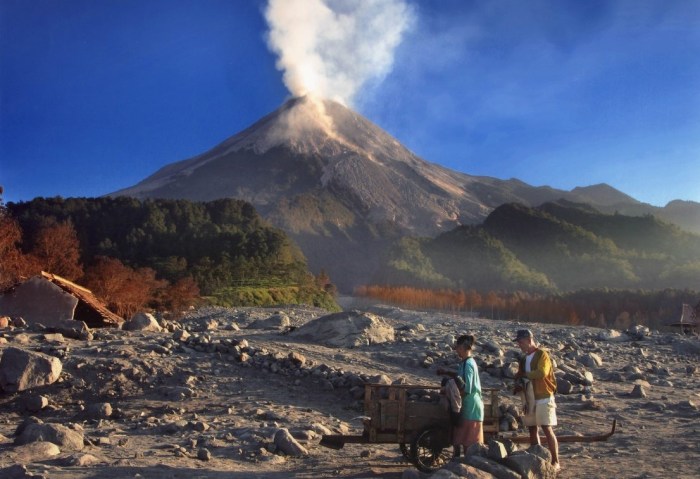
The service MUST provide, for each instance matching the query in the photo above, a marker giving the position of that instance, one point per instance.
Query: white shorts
(546, 412)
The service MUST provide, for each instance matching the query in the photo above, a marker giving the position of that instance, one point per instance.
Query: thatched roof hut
(49, 299)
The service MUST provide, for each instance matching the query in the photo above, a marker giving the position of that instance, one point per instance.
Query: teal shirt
(472, 403)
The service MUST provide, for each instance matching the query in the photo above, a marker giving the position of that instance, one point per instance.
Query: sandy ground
(235, 408)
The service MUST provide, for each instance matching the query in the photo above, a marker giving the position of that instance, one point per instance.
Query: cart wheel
(431, 449)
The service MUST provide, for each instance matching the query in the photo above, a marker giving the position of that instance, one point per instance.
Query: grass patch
(265, 296)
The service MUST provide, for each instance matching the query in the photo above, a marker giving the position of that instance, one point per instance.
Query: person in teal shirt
(470, 429)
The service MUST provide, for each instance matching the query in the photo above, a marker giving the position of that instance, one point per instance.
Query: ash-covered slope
(312, 166)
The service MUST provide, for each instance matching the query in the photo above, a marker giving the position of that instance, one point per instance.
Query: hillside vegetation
(223, 246)
(556, 247)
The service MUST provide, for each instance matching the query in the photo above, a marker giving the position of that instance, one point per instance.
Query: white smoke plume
(330, 48)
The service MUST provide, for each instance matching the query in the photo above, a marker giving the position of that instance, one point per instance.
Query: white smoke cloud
(330, 48)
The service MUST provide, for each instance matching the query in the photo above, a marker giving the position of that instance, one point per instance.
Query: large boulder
(492, 467)
(463, 470)
(19, 471)
(38, 301)
(142, 322)
(278, 321)
(531, 465)
(70, 328)
(347, 329)
(62, 436)
(33, 452)
(611, 335)
(21, 370)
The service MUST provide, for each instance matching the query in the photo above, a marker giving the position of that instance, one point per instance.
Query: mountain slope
(341, 186)
(309, 147)
(554, 247)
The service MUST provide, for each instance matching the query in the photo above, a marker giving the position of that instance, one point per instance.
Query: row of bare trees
(426, 298)
(603, 308)
(55, 248)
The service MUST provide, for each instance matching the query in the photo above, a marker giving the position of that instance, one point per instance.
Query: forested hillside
(557, 247)
(224, 246)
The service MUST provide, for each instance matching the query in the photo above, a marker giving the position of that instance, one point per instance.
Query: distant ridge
(602, 194)
(556, 247)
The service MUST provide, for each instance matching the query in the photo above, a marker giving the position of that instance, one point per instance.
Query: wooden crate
(392, 418)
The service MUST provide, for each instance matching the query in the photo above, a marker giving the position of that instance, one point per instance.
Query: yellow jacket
(541, 374)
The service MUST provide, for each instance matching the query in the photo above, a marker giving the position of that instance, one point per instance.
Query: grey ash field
(209, 405)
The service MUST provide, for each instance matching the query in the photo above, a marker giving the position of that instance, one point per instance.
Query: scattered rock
(21, 369)
(22, 339)
(58, 434)
(497, 450)
(444, 474)
(297, 359)
(181, 335)
(142, 322)
(82, 460)
(18, 471)
(638, 332)
(611, 335)
(99, 410)
(638, 391)
(177, 393)
(492, 467)
(511, 369)
(205, 324)
(34, 452)
(278, 321)
(540, 451)
(411, 474)
(19, 322)
(54, 338)
(481, 450)
(203, 454)
(36, 403)
(530, 465)
(467, 471)
(70, 328)
(284, 442)
(564, 386)
(591, 360)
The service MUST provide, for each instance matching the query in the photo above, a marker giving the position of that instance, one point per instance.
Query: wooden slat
(401, 420)
(372, 410)
(395, 419)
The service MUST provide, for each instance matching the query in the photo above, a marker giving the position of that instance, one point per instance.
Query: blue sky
(97, 95)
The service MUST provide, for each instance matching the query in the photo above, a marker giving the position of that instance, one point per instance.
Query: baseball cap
(522, 334)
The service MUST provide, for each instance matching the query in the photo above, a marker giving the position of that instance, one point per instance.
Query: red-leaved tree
(57, 250)
(125, 290)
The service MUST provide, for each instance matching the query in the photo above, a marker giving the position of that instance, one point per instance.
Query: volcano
(312, 150)
(340, 186)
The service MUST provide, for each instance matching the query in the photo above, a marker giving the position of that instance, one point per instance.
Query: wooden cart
(421, 427)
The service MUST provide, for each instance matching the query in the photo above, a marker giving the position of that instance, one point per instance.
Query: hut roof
(88, 299)
(689, 318)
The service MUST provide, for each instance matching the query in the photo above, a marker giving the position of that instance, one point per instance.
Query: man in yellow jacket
(536, 366)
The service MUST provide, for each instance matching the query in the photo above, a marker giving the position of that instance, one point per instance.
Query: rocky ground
(248, 393)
